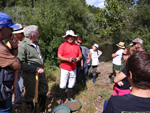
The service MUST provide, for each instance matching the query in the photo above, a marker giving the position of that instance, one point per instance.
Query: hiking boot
(70, 99)
(61, 102)
(94, 79)
(70, 94)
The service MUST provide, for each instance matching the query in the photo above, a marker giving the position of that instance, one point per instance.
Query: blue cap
(6, 21)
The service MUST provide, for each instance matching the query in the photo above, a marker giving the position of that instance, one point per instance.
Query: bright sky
(96, 3)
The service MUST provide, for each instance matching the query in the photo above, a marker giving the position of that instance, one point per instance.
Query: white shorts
(67, 76)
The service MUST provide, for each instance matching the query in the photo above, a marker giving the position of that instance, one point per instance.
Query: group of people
(22, 54)
(74, 61)
(131, 91)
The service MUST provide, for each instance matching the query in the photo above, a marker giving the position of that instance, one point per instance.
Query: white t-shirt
(118, 59)
(94, 57)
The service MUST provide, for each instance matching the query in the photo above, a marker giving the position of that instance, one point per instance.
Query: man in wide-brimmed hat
(117, 58)
(68, 53)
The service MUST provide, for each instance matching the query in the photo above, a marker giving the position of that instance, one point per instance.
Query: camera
(73, 60)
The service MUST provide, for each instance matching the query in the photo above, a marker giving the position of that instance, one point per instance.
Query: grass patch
(104, 93)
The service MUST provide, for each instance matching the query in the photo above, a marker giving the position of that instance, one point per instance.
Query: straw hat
(70, 32)
(19, 30)
(121, 44)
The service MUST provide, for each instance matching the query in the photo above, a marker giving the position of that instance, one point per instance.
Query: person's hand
(88, 61)
(70, 59)
(77, 59)
(120, 83)
(39, 70)
(13, 41)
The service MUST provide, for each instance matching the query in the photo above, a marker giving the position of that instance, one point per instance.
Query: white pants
(67, 76)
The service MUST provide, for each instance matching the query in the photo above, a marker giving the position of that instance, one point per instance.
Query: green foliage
(53, 18)
(118, 21)
(136, 25)
(143, 2)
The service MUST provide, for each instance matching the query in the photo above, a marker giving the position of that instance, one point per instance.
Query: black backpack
(7, 77)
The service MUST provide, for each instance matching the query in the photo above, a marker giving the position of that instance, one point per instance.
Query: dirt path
(103, 83)
(93, 97)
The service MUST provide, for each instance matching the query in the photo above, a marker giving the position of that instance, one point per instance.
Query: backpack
(7, 77)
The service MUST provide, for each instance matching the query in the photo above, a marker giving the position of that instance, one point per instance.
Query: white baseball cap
(96, 45)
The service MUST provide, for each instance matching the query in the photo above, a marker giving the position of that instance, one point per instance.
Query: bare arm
(61, 58)
(100, 54)
(79, 57)
(119, 77)
(13, 45)
(114, 55)
(81, 64)
(89, 59)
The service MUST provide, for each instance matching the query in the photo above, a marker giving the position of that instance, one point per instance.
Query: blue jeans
(81, 74)
(85, 70)
(6, 106)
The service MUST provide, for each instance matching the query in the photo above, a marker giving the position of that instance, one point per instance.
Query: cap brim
(70, 35)
(14, 26)
(131, 44)
(95, 46)
(120, 46)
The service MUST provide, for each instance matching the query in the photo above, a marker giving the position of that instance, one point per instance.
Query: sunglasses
(79, 43)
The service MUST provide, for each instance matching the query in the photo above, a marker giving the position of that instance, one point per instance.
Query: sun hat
(121, 44)
(138, 41)
(20, 30)
(6, 21)
(96, 45)
(70, 32)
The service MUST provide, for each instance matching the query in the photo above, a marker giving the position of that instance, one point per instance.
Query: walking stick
(36, 94)
(15, 81)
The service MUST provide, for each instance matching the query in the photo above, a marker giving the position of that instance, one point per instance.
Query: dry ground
(92, 96)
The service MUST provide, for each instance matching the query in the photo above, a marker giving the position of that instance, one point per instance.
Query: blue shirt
(85, 53)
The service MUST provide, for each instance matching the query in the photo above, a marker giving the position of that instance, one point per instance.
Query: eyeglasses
(124, 54)
(79, 43)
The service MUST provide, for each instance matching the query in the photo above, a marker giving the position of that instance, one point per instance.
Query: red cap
(80, 39)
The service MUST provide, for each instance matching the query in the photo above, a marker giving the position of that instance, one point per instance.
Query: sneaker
(61, 102)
